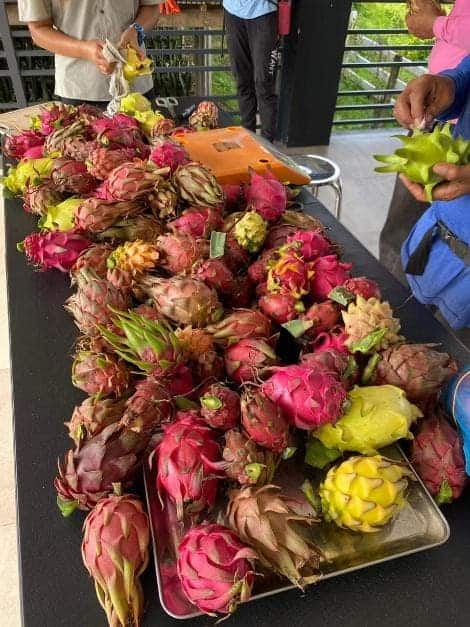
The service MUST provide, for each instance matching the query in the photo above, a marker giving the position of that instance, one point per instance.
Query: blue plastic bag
(456, 401)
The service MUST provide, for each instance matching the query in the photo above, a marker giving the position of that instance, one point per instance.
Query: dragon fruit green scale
(421, 151)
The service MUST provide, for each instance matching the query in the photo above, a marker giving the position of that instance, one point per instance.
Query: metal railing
(377, 64)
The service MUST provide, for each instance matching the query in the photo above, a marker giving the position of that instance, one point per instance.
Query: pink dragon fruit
(56, 116)
(236, 257)
(148, 407)
(289, 274)
(328, 273)
(311, 244)
(323, 315)
(266, 195)
(330, 361)
(16, 145)
(215, 569)
(279, 234)
(215, 274)
(120, 120)
(115, 138)
(72, 176)
(234, 196)
(197, 221)
(241, 324)
(280, 307)
(54, 249)
(209, 366)
(179, 381)
(102, 192)
(438, 458)
(241, 295)
(179, 252)
(169, 155)
(258, 271)
(220, 407)
(264, 421)
(248, 359)
(362, 286)
(335, 340)
(308, 397)
(36, 152)
(102, 161)
(187, 456)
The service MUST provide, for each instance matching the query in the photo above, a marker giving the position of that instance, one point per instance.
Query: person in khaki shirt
(76, 30)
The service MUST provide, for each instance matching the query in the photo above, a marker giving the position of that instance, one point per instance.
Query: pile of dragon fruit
(182, 292)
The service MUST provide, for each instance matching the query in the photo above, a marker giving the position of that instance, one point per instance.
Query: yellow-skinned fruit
(364, 493)
(378, 415)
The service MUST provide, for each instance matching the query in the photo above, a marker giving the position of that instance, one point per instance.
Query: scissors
(169, 103)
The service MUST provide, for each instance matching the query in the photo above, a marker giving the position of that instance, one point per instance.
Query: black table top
(429, 589)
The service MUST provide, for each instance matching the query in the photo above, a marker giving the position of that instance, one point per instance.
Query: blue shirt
(446, 279)
(249, 9)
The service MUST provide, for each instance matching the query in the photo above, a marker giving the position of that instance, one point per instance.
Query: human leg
(263, 40)
(242, 68)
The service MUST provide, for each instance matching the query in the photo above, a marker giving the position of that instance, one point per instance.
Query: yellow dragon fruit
(421, 151)
(61, 217)
(27, 172)
(377, 416)
(251, 231)
(364, 493)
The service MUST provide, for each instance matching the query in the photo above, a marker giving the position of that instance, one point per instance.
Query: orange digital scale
(229, 152)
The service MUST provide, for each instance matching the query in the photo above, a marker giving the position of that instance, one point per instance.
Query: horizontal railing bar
(191, 68)
(378, 31)
(370, 92)
(422, 63)
(364, 121)
(360, 107)
(24, 32)
(165, 52)
(391, 47)
(183, 69)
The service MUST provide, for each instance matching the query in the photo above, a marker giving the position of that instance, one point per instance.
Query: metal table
(428, 589)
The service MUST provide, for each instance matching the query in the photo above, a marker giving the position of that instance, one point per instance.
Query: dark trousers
(102, 104)
(252, 45)
(403, 213)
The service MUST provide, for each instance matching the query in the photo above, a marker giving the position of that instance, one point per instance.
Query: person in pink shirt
(452, 34)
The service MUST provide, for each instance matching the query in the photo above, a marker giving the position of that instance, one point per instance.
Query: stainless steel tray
(418, 527)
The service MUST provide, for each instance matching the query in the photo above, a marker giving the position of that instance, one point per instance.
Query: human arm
(461, 79)
(147, 17)
(38, 15)
(421, 19)
(45, 36)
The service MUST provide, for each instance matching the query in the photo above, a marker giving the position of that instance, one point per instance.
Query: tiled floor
(365, 203)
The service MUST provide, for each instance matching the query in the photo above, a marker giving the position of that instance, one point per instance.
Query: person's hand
(423, 99)
(420, 20)
(456, 183)
(130, 38)
(93, 51)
